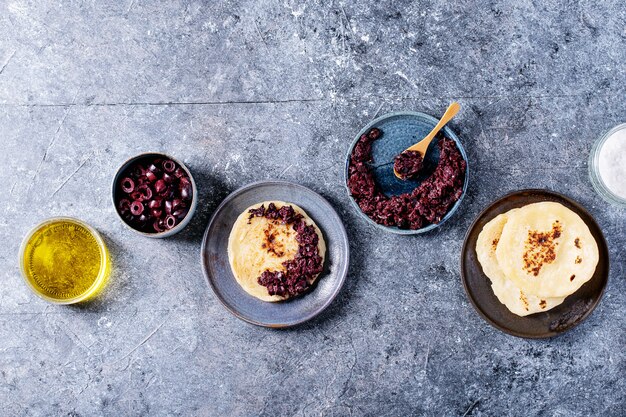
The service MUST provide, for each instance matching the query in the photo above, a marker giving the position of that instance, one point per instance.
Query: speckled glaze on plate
(401, 130)
(290, 312)
(563, 317)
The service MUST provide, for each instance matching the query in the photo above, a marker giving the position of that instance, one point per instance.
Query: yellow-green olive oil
(64, 261)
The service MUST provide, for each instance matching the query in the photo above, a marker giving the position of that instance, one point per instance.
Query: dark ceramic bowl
(401, 130)
(285, 313)
(151, 155)
(561, 318)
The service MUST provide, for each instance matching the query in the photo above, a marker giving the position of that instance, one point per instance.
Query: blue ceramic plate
(401, 130)
(286, 313)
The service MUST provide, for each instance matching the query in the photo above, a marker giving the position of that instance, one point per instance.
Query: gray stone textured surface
(252, 90)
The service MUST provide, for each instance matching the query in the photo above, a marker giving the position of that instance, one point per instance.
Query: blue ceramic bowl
(401, 130)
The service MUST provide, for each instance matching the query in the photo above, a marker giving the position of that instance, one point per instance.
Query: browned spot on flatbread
(540, 248)
(577, 243)
(524, 300)
(572, 277)
(543, 304)
(270, 242)
(578, 260)
(495, 243)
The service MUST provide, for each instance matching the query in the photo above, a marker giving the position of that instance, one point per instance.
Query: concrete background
(251, 90)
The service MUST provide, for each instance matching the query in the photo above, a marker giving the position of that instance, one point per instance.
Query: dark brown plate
(571, 312)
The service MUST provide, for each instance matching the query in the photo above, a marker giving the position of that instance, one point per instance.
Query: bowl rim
(464, 249)
(194, 199)
(103, 273)
(597, 182)
(343, 273)
(394, 229)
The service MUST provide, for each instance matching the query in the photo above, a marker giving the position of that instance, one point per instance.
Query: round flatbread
(505, 290)
(258, 244)
(547, 250)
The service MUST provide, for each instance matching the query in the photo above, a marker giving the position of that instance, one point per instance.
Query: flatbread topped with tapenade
(547, 250)
(516, 300)
(275, 251)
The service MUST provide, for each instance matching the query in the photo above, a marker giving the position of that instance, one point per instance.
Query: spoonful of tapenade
(410, 162)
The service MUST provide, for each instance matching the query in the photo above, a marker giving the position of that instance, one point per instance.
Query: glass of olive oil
(64, 261)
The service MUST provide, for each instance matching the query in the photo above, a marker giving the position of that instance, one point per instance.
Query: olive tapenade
(427, 203)
(301, 271)
(408, 164)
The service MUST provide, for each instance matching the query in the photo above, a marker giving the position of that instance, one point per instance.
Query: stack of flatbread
(536, 255)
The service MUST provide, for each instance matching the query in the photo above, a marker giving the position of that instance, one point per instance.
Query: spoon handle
(452, 110)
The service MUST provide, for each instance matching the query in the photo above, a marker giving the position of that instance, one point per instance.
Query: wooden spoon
(422, 145)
